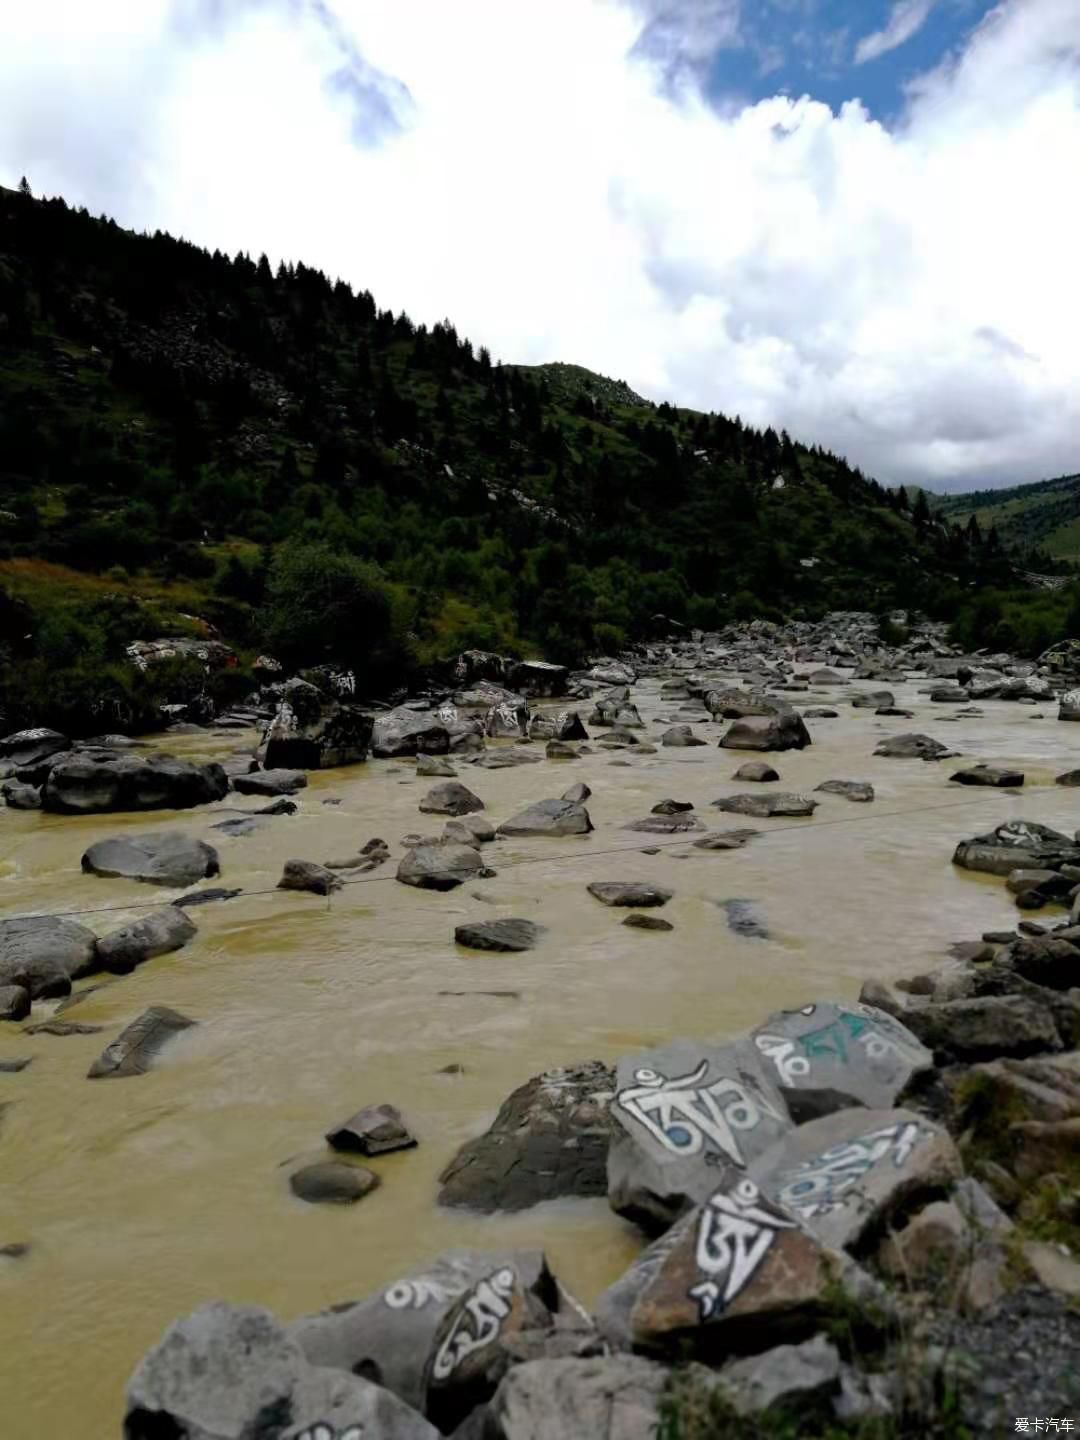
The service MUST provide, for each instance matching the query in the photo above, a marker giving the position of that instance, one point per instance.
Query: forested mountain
(1042, 520)
(184, 434)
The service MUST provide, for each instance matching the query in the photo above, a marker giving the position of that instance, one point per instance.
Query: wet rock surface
(169, 858)
(549, 817)
(509, 934)
(136, 1047)
(439, 867)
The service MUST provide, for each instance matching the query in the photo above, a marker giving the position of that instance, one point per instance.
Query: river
(142, 1198)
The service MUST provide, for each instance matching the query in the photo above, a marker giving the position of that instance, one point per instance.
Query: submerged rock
(681, 736)
(768, 804)
(636, 921)
(440, 867)
(757, 771)
(913, 747)
(333, 1182)
(270, 782)
(549, 817)
(507, 935)
(744, 918)
(994, 775)
(858, 790)
(666, 824)
(44, 954)
(157, 933)
(133, 1050)
(307, 875)
(165, 858)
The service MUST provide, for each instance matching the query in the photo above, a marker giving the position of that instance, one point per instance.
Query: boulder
(408, 732)
(158, 932)
(769, 804)
(1046, 960)
(44, 954)
(858, 790)
(550, 1138)
(270, 782)
(564, 725)
(796, 1379)
(637, 894)
(984, 1028)
(618, 1397)
(14, 1002)
(371, 1131)
(994, 775)
(845, 1175)
(875, 700)
(133, 1050)
(1069, 705)
(433, 765)
(334, 735)
(333, 1182)
(227, 1372)
(577, 794)
(734, 704)
(612, 673)
(98, 781)
(744, 918)
(18, 796)
(508, 720)
(32, 747)
(1017, 845)
(784, 731)
(549, 817)
(683, 1114)
(948, 695)
(440, 867)
(450, 798)
(912, 747)
(821, 712)
(831, 1055)
(306, 875)
(469, 830)
(1070, 777)
(165, 858)
(509, 935)
(672, 807)
(538, 679)
(757, 771)
(681, 736)
(506, 757)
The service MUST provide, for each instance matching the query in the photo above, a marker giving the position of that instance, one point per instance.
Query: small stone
(640, 894)
(371, 1131)
(306, 875)
(672, 807)
(450, 798)
(333, 1182)
(757, 771)
(506, 935)
(858, 790)
(637, 921)
(434, 765)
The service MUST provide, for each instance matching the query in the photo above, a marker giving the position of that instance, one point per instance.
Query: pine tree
(24, 188)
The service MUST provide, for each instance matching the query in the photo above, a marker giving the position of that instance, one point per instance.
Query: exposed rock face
(912, 747)
(784, 731)
(828, 1056)
(96, 781)
(771, 803)
(439, 867)
(42, 955)
(134, 1049)
(306, 875)
(617, 1398)
(158, 932)
(663, 824)
(232, 1371)
(165, 858)
(450, 798)
(374, 1130)
(309, 733)
(994, 775)
(549, 817)
(858, 790)
(639, 894)
(509, 935)
(550, 1138)
(686, 1115)
(409, 732)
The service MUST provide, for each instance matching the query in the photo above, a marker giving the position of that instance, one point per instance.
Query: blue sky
(809, 47)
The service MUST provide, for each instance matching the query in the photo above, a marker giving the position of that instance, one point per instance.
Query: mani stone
(333, 1182)
(234, 1371)
(757, 771)
(437, 1337)
(158, 933)
(685, 1116)
(912, 747)
(498, 934)
(439, 866)
(773, 803)
(783, 731)
(616, 1397)
(636, 894)
(735, 1268)
(371, 1131)
(550, 1138)
(829, 1056)
(306, 875)
(549, 817)
(138, 1043)
(845, 1175)
(994, 775)
(858, 790)
(44, 954)
(167, 858)
(450, 798)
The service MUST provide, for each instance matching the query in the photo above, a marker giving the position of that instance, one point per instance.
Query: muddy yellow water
(142, 1198)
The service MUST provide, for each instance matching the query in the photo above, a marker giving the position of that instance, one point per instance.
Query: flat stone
(15, 1067)
(159, 932)
(307, 875)
(61, 1028)
(507, 934)
(133, 1050)
(640, 894)
(858, 790)
(166, 858)
(666, 824)
(270, 782)
(371, 1131)
(549, 817)
(333, 1182)
(439, 867)
(771, 803)
(205, 897)
(744, 918)
(637, 921)
(450, 798)
(724, 840)
(504, 758)
(549, 1139)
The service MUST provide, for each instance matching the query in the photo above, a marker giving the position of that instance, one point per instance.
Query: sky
(854, 219)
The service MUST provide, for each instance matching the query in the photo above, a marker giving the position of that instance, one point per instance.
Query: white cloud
(906, 18)
(562, 192)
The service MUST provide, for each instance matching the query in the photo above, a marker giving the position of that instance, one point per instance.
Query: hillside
(1042, 519)
(179, 429)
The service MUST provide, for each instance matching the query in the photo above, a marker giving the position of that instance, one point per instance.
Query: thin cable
(635, 847)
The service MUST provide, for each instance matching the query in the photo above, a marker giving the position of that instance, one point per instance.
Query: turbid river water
(142, 1198)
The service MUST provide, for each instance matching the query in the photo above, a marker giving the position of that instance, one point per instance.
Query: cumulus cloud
(906, 18)
(551, 180)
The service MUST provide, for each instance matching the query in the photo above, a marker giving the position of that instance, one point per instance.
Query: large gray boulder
(549, 1139)
(450, 798)
(1017, 845)
(832, 1055)
(96, 781)
(681, 737)
(232, 1372)
(270, 782)
(616, 1397)
(134, 1049)
(985, 1027)
(310, 733)
(636, 894)
(158, 932)
(783, 731)
(439, 867)
(409, 732)
(772, 803)
(165, 858)
(734, 704)
(31, 747)
(683, 1116)
(549, 817)
(503, 935)
(845, 1175)
(44, 954)
(912, 747)
(439, 1337)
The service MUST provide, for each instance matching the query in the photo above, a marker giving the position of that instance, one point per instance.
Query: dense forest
(193, 443)
(1041, 520)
